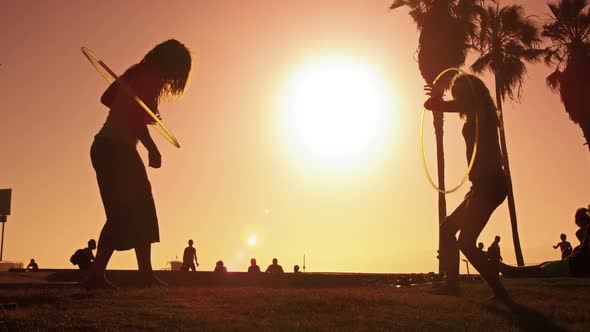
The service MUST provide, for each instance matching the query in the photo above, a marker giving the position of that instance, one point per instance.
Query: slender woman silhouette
(125, 190)
(471, 99)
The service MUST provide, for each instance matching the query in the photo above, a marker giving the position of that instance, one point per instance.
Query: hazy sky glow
(241, 186)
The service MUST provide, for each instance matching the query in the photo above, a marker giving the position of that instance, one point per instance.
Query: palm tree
(569, 33)
(506, 40)
(445, 28)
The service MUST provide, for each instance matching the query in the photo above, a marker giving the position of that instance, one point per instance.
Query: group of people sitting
(273, 268)
(574, 263)
(190, 262)
(84, 259)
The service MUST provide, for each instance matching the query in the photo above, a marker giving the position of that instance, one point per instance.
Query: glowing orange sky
(233, 165)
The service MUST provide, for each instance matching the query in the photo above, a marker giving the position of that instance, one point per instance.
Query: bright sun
(252, 240)
(337, 109)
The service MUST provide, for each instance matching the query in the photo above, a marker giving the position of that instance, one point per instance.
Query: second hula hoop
(473, 154)
(111, 77)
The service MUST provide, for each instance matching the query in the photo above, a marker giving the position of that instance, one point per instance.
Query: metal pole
(467, 264)
(2, 245)
(303, 262)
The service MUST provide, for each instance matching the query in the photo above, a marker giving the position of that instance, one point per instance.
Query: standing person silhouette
(472, 100)
(564, 246)
(190, 257)
(494, 250)
(125, 190)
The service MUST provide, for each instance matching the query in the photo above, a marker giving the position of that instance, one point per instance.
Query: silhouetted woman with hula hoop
(472, 100)
(125, 190)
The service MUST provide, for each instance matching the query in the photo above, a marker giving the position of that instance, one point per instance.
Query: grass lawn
(544, 305)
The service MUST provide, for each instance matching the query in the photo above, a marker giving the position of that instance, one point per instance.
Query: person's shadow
(525, 318)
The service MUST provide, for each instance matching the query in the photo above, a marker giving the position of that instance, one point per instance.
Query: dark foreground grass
(544, 305)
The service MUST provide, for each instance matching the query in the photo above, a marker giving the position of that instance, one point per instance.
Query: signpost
(5, 196)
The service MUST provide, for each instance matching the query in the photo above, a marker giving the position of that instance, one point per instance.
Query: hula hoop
(101, 67)
(473, 154)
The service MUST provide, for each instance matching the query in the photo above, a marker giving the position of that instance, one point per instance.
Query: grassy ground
(544, 305)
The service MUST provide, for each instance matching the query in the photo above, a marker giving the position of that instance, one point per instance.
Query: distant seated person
(296, 269)
(32, 266)
(190, 257)
(565, 246)
(253, 268)
(84, 257)
(480, 247)
(274, 268)
(219, 268)
(576, 265)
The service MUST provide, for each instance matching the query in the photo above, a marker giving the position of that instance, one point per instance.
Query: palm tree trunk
(511, 204)
(440, 158)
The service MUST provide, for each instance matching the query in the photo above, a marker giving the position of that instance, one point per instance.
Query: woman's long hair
(173, 60)
(472, 91)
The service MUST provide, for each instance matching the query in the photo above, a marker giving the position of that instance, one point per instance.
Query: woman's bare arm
(154, 156)
(447, 106)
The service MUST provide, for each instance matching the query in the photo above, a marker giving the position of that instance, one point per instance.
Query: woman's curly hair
(473, 91)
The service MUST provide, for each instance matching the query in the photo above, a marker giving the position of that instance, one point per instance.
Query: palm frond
(568, 29)
(398, 3)
(506, 40)
(482, 63)
(446, 31)
(553, 80)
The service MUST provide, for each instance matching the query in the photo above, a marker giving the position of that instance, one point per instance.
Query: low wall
(5, 265)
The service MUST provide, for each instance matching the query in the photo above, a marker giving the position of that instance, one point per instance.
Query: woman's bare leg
(476, 217)
(97, 277)
(144, 258)
(449, 250)
(144, 264)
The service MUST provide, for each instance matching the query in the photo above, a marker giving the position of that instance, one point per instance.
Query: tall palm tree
(506, 40)
(569, 33)
(445, 28)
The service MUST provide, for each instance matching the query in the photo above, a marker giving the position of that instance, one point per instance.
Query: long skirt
(126, 195)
